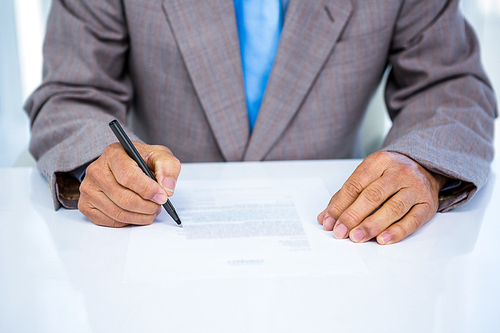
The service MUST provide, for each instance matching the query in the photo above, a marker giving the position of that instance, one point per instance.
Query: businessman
(247, 80)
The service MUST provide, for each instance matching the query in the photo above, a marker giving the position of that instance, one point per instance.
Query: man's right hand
(116, 192)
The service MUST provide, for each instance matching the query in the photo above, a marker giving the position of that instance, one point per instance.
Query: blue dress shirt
(259, 25)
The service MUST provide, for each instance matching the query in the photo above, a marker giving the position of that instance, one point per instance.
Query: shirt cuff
(79, 173)
(450, 185)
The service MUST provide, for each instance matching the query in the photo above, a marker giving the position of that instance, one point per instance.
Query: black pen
(132, 152)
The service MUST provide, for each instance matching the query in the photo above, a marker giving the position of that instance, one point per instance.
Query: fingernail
(328, 223)
(340, 231)
(386, 237)
(160, 198)
(168, 184)
(357, 235)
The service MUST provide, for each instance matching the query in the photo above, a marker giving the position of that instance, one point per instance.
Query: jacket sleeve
(439, 98)
(85, 85)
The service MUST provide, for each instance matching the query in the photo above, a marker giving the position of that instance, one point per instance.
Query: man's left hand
(405, 194)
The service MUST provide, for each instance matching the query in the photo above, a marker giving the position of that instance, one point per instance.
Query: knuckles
(126, 199)
(112, 149)
(82, 207)
(120, 215)
(102, 174)
(405, 173)
(400, 174)
(349, 218)
(375, 194)
(93, 171)
(148, 189)
(353, 188)
(397, 207)
(126, 175)
(333, 210)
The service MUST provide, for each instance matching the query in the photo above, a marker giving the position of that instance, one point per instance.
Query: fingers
(388, 196)
(364, 175)
(396, 208)
(129, 175)
(107, 192)
(116, 192)
(104, 212)
(410, 223)
(372, 197)
(323, 217)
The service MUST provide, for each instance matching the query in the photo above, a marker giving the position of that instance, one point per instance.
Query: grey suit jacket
(171, 70)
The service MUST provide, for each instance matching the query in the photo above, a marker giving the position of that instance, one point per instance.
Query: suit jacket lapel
(207, 38)
(308, 38)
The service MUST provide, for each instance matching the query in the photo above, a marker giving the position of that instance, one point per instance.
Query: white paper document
(241, 228)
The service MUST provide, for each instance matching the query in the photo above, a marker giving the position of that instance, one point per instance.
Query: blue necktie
(259, 27)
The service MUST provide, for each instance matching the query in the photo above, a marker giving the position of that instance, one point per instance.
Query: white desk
(60, 273)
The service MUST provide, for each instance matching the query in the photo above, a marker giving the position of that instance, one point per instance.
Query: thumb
(164, 165)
